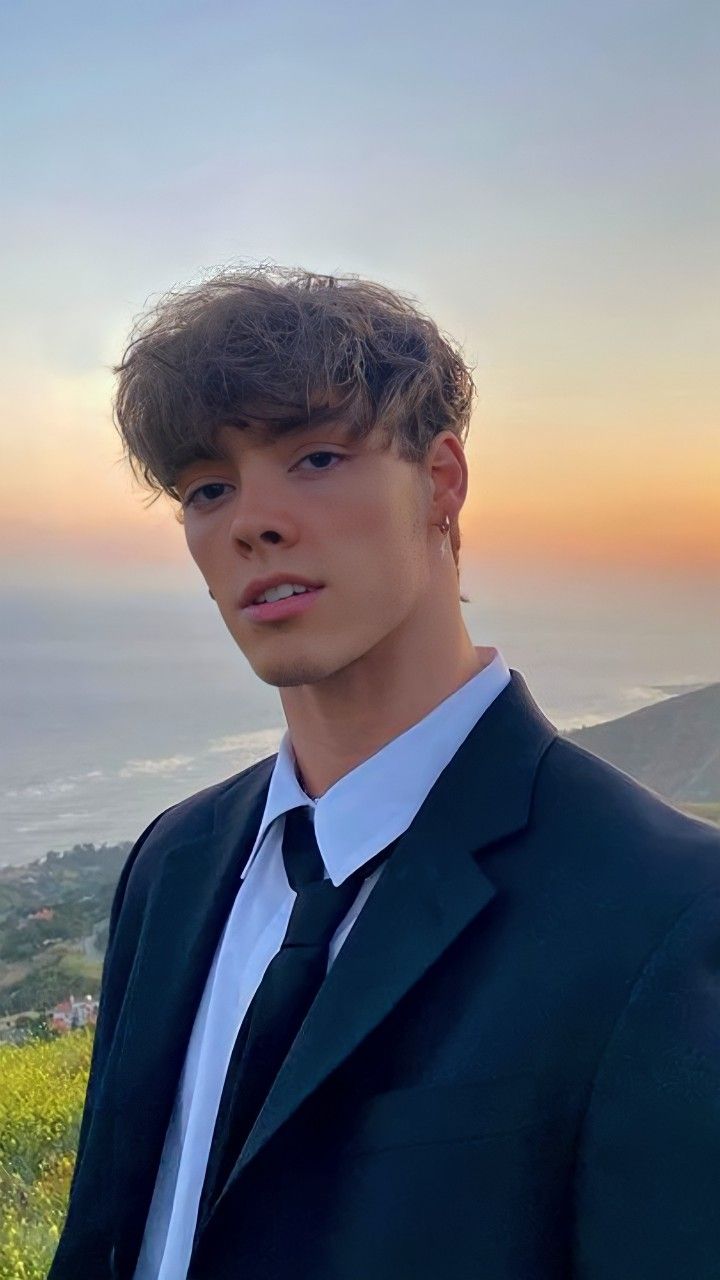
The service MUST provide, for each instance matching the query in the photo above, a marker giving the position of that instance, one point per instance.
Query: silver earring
(444, 527)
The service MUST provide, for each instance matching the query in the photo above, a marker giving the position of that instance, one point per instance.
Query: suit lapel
(432, 888)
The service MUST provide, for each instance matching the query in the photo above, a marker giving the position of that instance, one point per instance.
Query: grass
(44, 1083)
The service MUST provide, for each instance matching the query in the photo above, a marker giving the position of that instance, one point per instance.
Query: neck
(337, 723)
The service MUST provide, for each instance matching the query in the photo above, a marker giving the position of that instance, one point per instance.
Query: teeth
(282, 592)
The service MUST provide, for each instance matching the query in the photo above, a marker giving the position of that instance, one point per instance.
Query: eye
(202, 488)
(323, 453)
(192, 499)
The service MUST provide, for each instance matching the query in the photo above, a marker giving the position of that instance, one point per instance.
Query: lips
(287, 608)
(259, 586)
(260, 597)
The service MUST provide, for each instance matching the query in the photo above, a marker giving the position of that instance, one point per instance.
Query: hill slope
(673, 746)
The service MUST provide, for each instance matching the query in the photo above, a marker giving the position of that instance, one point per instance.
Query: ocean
(119, 700)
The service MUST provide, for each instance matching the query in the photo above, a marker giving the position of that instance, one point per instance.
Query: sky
(542, 177)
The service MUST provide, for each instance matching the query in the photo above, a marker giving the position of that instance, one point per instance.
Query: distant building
(72, 1013)
(44, 913)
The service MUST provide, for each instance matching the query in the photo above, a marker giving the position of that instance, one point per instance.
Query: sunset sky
(543, 178)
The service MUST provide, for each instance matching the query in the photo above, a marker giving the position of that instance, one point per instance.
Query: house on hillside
(43, 913)
(72, 1013)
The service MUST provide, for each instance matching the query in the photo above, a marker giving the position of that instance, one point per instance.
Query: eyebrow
(293, 429)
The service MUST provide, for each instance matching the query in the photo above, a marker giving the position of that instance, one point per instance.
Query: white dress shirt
(362, 813)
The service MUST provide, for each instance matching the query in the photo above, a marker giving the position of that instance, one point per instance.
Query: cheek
(200, 545)
(384, 539)
(378, 520)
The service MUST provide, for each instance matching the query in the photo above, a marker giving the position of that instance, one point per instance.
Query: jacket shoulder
(626, 826)
(188, 820)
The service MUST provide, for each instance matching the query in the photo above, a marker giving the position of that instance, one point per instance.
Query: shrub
(44, 1083)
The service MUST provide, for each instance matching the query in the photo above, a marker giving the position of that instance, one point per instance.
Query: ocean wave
(162, 766)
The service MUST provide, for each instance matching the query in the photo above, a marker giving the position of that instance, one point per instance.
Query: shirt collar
(376, 801)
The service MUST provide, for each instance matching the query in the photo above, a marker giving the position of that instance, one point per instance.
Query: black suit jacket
(511, 1072)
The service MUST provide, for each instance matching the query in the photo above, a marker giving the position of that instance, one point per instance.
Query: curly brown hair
(247, 345)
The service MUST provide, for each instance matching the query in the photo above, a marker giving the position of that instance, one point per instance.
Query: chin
(287, 661)
(287, 672)
(309, 665)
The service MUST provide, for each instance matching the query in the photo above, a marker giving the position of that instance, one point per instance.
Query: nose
(255, 522)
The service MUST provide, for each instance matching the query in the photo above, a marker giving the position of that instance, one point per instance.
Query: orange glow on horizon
(560, 491)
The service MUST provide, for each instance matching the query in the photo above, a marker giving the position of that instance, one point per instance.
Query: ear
(448, 473)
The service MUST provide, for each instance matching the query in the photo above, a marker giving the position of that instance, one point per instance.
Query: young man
(431, 992)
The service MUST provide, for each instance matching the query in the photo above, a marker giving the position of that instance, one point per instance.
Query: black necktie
(281, 1002)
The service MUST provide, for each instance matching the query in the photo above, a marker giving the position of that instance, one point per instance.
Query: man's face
(351, 516)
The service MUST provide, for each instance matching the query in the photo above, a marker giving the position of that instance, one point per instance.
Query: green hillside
(672, 746)
(54, 916)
